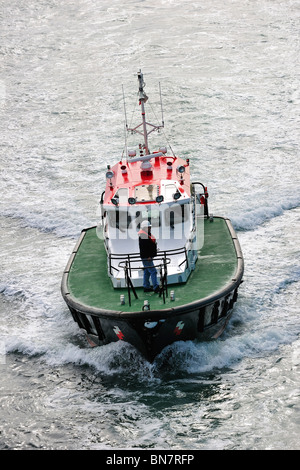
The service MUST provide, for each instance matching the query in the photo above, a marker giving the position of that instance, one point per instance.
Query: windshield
(130, 217)
(176, 214)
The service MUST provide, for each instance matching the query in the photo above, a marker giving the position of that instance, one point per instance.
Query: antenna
(143, 98)
(125, 124)
(124, 108)
(162, 113)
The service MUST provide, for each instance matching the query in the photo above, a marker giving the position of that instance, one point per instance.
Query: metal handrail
(142, 267)
(135, 257)
(163, 276)
(202, 194)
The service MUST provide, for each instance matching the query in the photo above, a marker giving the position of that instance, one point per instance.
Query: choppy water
(230, 81)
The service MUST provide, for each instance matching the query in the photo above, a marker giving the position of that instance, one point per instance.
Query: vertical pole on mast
(143, 98)
(125, 124)
(161, 106)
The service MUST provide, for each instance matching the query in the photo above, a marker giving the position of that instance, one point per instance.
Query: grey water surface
(229, 74)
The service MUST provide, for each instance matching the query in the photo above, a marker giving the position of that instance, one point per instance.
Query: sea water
(229, 74)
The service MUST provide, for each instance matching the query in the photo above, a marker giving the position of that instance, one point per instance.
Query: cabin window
(153, 215)
(170, 189)
(176, 214)
(120, 219)
(125, 218)
(122, 195)
(146, 192)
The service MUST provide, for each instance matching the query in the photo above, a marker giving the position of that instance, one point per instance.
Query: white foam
(259, 212)
(195, 357)
(59, 222)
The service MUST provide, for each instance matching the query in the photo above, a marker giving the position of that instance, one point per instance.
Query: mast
(143, 98)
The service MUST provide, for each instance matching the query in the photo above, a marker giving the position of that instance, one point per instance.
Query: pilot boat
(199, 262)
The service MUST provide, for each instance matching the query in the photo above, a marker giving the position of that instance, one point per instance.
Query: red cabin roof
(160, 176)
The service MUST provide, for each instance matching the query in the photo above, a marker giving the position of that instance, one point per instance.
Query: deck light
(180, 169)
(150, 324)
(177, 195)
(131, 200)
(146, 305)
(115, 201)
(109, 174)
(159, 198)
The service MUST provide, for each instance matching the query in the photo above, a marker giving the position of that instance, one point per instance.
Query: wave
(179, 359)
(62, 225)
(251, 217)
(114, 359)
(293, 277)
(29, 303)
(13, 292)
(194, 357)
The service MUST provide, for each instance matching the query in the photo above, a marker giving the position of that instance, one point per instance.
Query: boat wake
(243, 339)
(13, 292)
(60, 224)
(255, 215)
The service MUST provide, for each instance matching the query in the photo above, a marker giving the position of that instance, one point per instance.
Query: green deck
(89, 284)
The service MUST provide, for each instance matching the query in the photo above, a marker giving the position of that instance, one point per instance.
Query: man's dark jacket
(147, 244)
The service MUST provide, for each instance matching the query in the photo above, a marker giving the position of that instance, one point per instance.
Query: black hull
(151, 331)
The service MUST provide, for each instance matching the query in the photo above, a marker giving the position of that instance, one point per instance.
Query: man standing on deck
(148, 249)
